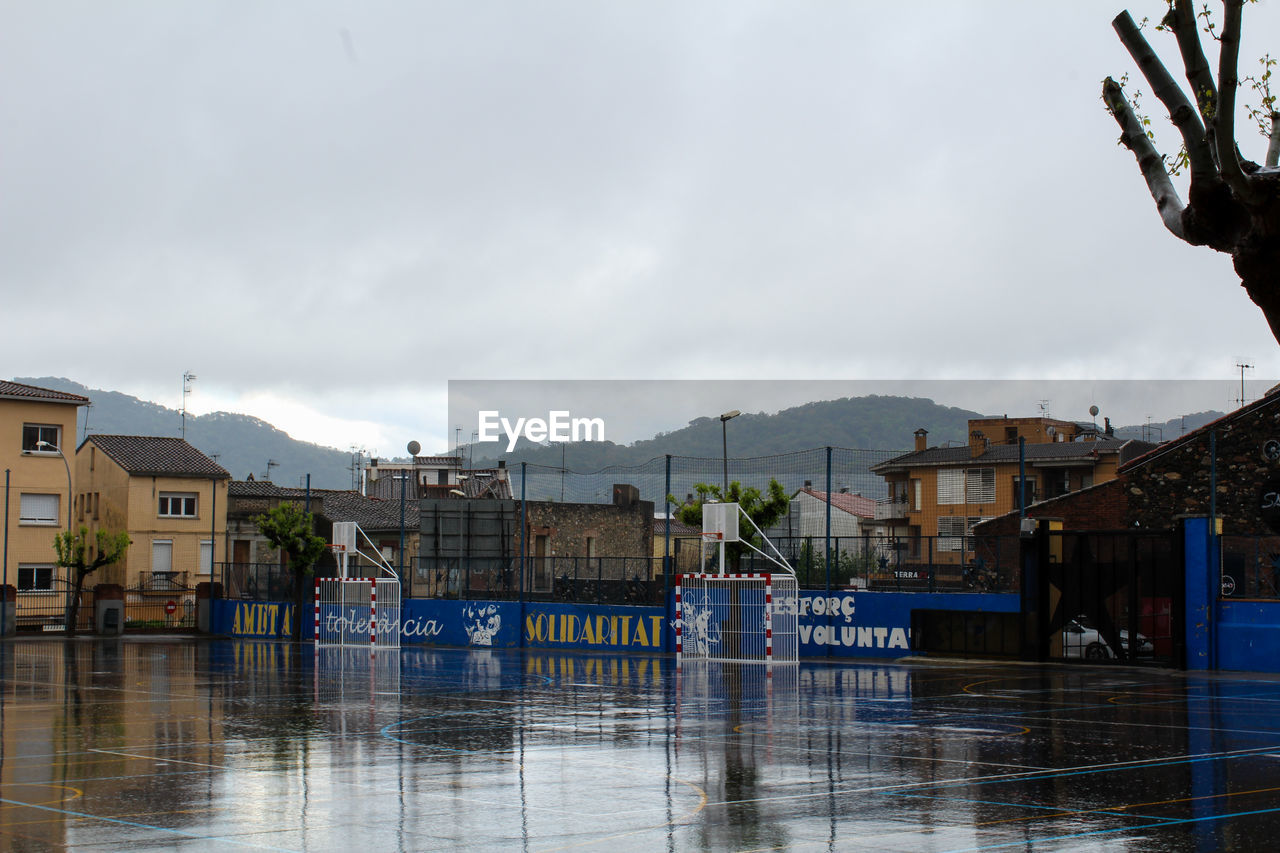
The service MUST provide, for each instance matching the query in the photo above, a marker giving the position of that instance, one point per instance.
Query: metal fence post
(827, 552)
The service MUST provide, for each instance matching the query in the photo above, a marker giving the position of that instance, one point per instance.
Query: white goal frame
(742, 618)
(357, 612)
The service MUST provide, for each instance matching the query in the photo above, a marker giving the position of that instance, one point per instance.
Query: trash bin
(8, 610)
(108, 606)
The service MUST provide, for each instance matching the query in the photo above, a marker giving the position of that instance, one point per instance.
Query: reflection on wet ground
(111, 745)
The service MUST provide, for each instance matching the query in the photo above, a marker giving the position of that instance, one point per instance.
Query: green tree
(292, 530)
(74, 552)
(763, 508)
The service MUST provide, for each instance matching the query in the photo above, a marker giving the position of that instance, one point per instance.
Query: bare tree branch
(1182, 19)
(1273, 149)
(1224, 119)
(1134, 137)
(1185, 117)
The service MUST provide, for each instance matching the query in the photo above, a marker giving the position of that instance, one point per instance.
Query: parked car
(1080, 639)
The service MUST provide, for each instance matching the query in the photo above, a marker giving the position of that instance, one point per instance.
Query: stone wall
(1176, 481)
(619, 531)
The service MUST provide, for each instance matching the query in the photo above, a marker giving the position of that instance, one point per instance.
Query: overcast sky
(328, 210)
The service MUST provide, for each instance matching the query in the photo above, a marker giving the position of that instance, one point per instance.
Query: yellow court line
(76, 793)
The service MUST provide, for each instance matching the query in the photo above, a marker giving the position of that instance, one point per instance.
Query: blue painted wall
(841, 625)
(878, 624)
(1248, 635)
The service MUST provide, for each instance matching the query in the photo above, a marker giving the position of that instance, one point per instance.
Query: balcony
(161, 582)
(891, 509)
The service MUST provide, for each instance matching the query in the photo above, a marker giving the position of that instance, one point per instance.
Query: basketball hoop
(336, 548)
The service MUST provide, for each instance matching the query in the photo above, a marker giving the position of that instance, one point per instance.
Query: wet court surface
(110, 745)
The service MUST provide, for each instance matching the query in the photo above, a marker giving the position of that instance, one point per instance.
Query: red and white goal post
(724, 616)
(357, 611)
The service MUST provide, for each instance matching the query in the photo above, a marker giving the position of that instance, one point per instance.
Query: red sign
(170, 607)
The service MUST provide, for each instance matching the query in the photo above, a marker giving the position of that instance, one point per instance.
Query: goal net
(737, 617)
(358, 612)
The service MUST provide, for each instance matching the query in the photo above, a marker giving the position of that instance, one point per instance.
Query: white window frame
(950, 486)
(950, 533)
(35, 568)
(33, 447)
(206, 556)
(980, 486)
(31, 513)
(166, 501)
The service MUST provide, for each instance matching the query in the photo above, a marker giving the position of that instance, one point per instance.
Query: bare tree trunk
(1233, 205)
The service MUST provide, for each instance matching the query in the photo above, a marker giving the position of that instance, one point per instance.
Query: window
(980, 486)
(162, 575)
(917, 495)
(38, 509)
(178, 504)
(206, 556)
(35, 577)
(33, 434)
(1031, 490)
(951, 532)
(954, 532)
(951, 486)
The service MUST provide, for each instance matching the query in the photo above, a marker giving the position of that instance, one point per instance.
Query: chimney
(625, 495)
(922, 439)
(977, 444)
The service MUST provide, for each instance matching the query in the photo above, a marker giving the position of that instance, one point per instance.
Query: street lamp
(58, 450)
(413, 447)
(724, 436)
(70, 588)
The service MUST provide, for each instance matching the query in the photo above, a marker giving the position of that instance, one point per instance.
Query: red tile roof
(19, 391)
(157, 456)
(852, 504)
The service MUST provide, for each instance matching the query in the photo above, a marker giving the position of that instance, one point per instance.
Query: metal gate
(45, 608)
(1111, 596)
(160, 601)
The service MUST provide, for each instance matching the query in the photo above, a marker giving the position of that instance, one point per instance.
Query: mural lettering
(601, 630)
(264, 619)
(356, 624)
(855, 637)
(834, 605)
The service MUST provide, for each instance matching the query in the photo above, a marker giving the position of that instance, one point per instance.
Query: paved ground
(161, 745)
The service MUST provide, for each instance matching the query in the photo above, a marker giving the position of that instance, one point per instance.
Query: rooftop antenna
(271, 463)
(1044, 408)
(1093, 413)
(1243, 367)
(187, 378)
(356, 467)
(88, 409)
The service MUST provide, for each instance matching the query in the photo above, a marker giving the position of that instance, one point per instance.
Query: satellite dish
(413, 448)
(1052, 432)
(1093, 411)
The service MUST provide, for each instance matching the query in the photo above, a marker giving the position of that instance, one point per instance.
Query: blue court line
(1031, 842)
(136, 825)
(1087, 771)
(1062, 811)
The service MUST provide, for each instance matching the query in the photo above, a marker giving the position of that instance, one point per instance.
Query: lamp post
(58, 450)
(413, 447)
(724, 437)
(67, 465)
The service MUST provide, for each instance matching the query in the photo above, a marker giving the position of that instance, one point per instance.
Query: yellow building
(168, 496)
(35, 423)
(937, 494)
